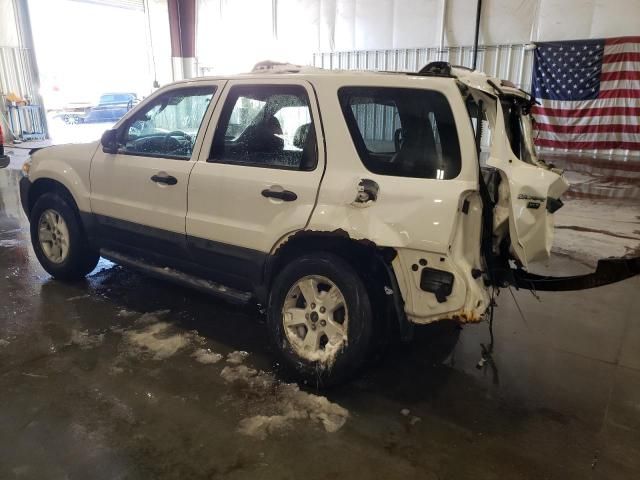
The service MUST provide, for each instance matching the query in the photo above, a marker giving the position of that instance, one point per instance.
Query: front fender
(68, 165)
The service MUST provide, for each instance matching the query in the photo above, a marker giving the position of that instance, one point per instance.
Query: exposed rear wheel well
(373, 263)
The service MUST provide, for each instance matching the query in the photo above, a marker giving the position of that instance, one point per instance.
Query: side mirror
(109, 141)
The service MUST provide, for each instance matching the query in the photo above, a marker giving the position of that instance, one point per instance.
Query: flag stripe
(591, 128)
(620, 84)
(590, 145)
(583, 137)
(617, 66)
(621, 48)
(620, 75)
(622, 40)
(613, 119)
(620, 93)
(621, 57)
(586, 112)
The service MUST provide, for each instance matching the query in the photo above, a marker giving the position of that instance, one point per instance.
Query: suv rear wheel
(320, 318)
(59, 240)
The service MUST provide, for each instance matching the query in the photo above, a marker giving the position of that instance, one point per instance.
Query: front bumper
(4, 161)
(25, 186)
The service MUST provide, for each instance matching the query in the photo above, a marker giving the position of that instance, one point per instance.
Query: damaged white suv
(347, 204)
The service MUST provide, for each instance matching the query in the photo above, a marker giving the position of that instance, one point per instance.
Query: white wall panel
(327, 25)
(373, 24)
(566, 20)
(416, 24)
(298, 27)
(461, 20)
(8, 31)
(506, 21)
(229, 29)
(615, 18)
(345, 25)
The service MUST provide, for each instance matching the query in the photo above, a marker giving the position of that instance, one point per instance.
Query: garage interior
(124, 376)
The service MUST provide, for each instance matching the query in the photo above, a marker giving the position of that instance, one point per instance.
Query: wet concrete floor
(91, 387)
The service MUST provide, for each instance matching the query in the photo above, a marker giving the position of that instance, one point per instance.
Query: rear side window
(266, 126)
(402, 132)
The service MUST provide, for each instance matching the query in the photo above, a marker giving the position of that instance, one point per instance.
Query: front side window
(402, 132)
(168, 126)
(266, 126)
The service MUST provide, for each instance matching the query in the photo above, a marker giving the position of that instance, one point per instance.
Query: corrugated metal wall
(15, 72)
(508, 62)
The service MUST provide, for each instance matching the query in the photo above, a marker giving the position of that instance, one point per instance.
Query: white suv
(347, 204)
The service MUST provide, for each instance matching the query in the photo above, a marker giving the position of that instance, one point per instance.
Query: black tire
(80, 259)
(360, 328)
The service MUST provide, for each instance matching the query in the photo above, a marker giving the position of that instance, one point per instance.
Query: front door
(139, 194)
(258, 177)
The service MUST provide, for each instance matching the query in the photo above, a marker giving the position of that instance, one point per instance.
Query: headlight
(26, 166)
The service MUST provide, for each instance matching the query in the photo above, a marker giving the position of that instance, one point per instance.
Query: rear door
(139, 194)
(257, 178)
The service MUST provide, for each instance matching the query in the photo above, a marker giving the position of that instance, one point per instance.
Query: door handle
(164, 179)
(285, 195)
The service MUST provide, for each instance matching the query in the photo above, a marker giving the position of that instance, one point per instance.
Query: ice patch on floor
(237, 357)
(85, 340)
(10, 243)
(151, 317)
(588, 231)
(206, 356)
(156, 340)
(78, 297)
(283, 404)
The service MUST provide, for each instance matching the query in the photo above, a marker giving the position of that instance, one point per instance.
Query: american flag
(589, 91)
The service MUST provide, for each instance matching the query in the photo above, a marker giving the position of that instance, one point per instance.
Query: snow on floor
(587, 231)
(282, 404)
(85, 340)
(10, 243)
(274, 407)
(156, 340)
(206, 356)
(237, 357)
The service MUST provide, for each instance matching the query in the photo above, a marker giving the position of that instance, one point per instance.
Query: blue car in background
(111, 107)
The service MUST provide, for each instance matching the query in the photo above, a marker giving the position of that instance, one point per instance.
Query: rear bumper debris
(609, 270)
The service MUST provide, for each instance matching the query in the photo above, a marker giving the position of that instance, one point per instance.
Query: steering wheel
(176, 133)
(398, 139)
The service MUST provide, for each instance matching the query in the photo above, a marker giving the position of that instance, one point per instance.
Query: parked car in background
(74, 112)
(112, 107)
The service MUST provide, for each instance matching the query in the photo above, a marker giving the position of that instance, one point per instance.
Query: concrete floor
(91, 387)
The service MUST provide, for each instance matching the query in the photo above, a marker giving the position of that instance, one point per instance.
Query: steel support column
(182, 28)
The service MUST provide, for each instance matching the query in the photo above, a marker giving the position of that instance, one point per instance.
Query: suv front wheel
(59, 240)
(320, 318)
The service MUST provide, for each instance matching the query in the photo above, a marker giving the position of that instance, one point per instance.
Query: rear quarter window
(402, 132)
